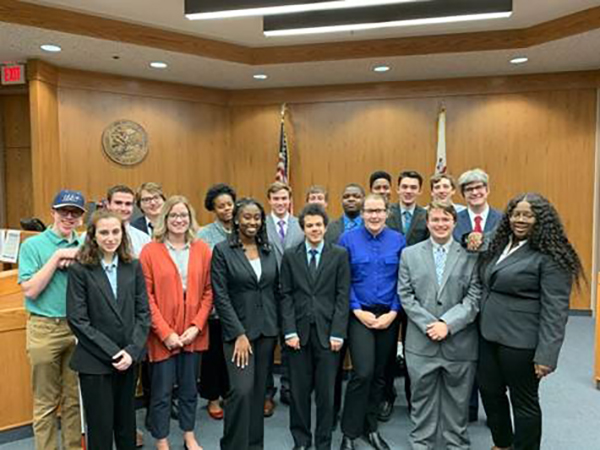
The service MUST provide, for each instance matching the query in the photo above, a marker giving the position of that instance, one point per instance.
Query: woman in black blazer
(107, 309)
(527, 274)
(245, 282)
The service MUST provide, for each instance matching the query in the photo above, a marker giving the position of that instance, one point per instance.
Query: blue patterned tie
(281, 224)
(440, 262)
(407, 219)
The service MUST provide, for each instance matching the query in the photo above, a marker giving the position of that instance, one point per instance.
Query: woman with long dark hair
(245, 282)
(527, 274)
(107, 309)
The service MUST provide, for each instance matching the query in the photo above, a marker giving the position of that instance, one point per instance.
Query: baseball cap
(67, 197)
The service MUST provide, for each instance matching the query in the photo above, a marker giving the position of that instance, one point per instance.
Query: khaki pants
(50, 345)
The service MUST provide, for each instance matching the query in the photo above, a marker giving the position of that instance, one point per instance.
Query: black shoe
(284, 396)
(376, 441)
(386, 408)
(347, 443)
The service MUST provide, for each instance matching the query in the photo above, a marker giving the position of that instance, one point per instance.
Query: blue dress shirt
(374, 262)
(351, 224)
(111, 272)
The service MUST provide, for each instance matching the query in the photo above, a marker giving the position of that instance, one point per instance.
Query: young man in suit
(443, 188)
(283, 232)
(43, 261)
(440, 291)
(380, 182)
(120, 199)
(317, 194)
(352, 200)
(315, 285)
(407, 218)
(149, 198)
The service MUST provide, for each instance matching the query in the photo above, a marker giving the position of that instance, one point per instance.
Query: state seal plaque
(125, 142)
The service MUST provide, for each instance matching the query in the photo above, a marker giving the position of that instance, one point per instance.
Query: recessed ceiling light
(260, 76)
(52, 48)
(519, 60)
(382, 68)
(158, 65)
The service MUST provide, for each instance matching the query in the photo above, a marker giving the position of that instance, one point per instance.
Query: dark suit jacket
(244, 304)
(463, 223)
(417, 232)
(334, 231)
(140, 224)
(525, 303)
(326, 298)
(104, 326)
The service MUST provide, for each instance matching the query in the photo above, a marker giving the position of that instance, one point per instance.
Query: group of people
(475, 299)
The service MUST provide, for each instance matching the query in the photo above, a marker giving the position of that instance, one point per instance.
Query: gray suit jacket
(293, 237)
(455, 302)
(525, 303)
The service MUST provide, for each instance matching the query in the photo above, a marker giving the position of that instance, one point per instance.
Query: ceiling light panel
(386, 16)
(223, 9)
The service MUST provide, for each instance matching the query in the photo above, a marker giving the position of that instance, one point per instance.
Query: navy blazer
(323, 300)
(140, 224)
(463, 223)
(102, 324)
(245, 305)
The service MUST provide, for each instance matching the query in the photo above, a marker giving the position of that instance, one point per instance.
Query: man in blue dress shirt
(374, 252)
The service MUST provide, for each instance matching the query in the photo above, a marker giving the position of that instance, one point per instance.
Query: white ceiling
(20, 43)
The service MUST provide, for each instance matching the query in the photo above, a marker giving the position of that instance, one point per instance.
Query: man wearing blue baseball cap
(50, 343)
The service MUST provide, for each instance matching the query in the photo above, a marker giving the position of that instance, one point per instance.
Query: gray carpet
(570, 403)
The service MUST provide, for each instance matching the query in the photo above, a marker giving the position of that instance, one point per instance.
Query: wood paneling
(72, 22)
(419, 89)
(17, 158)
(187, 143)
(540, 141)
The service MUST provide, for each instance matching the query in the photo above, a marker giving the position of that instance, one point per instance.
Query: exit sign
(13, 74)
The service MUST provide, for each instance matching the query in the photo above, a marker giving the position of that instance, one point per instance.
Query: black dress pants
(370, 352)
(243, 427)
(109, 404)
(501, 368)
(312, 367)
(390, 394)
(214, 381)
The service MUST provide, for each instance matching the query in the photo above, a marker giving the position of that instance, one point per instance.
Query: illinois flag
(440, 164)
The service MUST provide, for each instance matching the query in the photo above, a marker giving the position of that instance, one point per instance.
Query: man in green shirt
(43, 277)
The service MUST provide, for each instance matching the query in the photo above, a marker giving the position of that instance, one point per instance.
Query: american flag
(283, 161)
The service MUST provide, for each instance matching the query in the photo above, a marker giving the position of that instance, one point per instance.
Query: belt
(377, 309)
(50, 319)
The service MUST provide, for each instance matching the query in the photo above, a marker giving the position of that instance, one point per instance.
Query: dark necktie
(312, 265)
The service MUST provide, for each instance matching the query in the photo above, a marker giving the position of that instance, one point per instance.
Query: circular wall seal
(125, 142)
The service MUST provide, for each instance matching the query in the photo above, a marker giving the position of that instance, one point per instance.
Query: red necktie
(478, 228)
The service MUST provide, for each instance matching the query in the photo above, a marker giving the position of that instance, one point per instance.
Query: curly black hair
(215, 191)
(547, 235)
(262, 241)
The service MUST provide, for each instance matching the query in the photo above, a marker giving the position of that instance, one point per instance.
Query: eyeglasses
(175, 216)
(471, 189)
(375, 211)
(154, 198)
(73, 213)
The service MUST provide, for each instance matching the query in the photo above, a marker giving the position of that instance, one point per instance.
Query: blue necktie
(440, 262)
(407, 219)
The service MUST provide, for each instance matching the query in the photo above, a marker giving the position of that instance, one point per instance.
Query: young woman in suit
(177, 270)
(107, 309)
(527, 274)
(245, 282)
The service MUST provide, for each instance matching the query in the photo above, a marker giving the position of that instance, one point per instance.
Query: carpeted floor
(570, 403)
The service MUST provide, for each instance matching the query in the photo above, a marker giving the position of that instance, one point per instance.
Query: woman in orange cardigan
(177, 270)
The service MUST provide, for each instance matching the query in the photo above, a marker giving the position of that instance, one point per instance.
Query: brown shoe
(214, 410)
(269, 408)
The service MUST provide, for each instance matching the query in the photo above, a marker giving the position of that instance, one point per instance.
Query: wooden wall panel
(542, 141)
(187, 142)
(17, 158)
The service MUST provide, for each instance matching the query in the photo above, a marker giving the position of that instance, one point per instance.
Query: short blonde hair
(161, 230)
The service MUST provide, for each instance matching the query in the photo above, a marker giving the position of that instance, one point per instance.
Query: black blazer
(326, 299)
(244, 304)
(417, 232)
(525, 303)
(104, 326)
(140, 224)
(334, 230)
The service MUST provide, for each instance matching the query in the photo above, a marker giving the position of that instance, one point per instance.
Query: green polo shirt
(35, 252)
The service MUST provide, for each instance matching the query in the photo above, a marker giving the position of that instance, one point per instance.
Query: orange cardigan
(170, 313)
